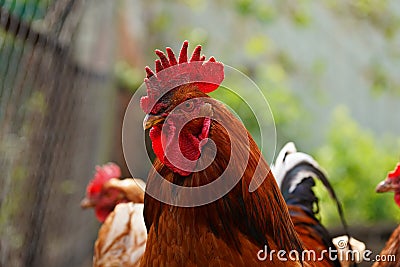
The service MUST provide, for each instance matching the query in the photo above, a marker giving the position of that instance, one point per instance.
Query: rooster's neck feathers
(261, 215)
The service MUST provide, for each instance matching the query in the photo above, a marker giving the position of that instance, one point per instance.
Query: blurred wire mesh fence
(53, 80)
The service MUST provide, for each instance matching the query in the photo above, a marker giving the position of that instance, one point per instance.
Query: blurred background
(68, 68)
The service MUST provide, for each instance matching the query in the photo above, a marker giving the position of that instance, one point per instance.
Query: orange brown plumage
(228, 231)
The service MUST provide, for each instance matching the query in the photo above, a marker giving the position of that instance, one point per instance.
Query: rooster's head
(178, 108)
(391, 183)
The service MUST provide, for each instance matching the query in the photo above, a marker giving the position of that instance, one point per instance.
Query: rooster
(118, 204)
(392, 247)
(198, 141)
(295, 173)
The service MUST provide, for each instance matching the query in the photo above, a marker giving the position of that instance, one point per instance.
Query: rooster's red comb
(102, 175)
(171, 73)
(395, 173)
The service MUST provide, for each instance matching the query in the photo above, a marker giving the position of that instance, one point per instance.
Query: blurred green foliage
(378, 13)
(261, 10)
(258, 45)
(381, 81)
(128, 77)
(287, 110)
(356, 161)
(268, 11)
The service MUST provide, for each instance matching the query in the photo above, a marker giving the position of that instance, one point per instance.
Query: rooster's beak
(385, 186)
(87, 203)
(151, 120)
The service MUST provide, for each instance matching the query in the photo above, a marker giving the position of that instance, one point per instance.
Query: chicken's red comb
(395, 173)
(102, 175)
(171, 73)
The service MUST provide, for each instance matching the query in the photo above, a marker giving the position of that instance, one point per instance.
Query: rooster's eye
(188, 106)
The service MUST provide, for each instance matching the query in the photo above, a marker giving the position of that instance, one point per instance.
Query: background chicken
(118, 204)
(295, 173)
(392, 247)
(231, 230)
